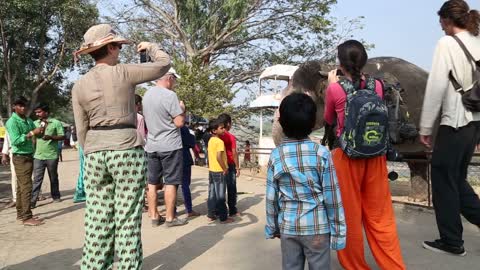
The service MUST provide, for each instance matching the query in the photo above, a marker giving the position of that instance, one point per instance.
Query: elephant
(402, 80)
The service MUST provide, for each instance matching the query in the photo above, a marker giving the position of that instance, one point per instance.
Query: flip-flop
(41, 198)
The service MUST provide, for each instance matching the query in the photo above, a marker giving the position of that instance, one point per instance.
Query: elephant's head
(310, 79)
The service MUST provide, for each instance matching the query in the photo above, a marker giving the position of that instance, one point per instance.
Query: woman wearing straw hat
(104, 108)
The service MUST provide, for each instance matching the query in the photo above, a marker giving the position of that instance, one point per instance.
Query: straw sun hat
(98, 36)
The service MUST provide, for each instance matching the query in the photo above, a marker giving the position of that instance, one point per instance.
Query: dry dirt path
(198, 245)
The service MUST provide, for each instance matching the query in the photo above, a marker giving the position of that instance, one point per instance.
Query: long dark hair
(459, 13)
(353, 57)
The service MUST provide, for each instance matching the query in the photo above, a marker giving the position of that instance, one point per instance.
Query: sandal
(41, 198)
(158, 222)
(32, 222)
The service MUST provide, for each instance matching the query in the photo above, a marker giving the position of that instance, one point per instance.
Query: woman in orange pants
(363, 182)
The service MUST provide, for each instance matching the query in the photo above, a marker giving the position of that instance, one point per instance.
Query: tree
(237, 37)
(196, 86)
(38, 39)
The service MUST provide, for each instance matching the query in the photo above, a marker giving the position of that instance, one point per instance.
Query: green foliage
(203, 93)
(39, 38)
(237, 39)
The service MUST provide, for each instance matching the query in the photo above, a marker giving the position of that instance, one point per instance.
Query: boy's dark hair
(42, 106)
(21, 100)
(138, 99)
(297, 115)
(213, 124)
(225, 118)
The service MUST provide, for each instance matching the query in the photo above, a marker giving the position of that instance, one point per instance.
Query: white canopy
(278, 72)
(266, 101)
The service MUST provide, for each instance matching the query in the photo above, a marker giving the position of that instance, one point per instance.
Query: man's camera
(144, 57)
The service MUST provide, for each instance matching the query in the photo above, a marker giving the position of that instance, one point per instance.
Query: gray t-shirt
(160, 106)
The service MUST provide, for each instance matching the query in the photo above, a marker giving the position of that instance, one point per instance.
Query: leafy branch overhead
(37, 42)
(241, 37)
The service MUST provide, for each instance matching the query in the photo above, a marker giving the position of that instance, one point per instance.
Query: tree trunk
(418, 181)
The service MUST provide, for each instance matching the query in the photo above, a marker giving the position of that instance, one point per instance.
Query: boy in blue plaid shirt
(304, 206)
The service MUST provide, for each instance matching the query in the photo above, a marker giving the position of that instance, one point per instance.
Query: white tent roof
(278, 72)
(266, 101)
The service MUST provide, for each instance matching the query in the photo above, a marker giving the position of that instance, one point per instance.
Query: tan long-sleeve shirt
(105, 96)
(440, 95)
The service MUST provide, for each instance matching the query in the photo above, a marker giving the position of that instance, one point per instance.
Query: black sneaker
(440, 247)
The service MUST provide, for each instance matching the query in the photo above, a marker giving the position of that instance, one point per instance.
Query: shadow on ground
(65, 259)
(194, 244)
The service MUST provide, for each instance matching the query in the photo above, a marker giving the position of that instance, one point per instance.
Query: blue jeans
(216, 196)
(39, 171)
(231, 179)
(314, 248)
(187, 196)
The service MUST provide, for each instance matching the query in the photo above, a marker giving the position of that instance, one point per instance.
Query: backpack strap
(465, 50)
(452, 79)
(347, 86)
(370, 83)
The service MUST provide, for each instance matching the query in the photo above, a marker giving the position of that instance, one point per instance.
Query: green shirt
(48, 149)
(17, 129)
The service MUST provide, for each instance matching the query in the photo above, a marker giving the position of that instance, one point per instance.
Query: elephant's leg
(418, 180)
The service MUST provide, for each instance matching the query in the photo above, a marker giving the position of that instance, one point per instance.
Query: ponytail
(473, 23)
(459, 13)
(353, 57)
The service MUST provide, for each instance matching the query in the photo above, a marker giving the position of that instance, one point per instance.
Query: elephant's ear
(277, 131)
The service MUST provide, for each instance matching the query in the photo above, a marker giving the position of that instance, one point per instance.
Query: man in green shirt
(46, 153)
(21, 130)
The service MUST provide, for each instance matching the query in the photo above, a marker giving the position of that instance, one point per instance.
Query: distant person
(79, 195)
(188, 142)
(459, 129)
(303, 202)
(141, 127)
(114, 174)
(362, 175)
(7, 159)
(233, 164)
(74, 138)
(22, 131)
(218, 170)
(247, 156)
(205, 138)
(46, 153)
(164, 115)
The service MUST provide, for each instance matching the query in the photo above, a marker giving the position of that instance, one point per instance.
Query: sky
(407, 29)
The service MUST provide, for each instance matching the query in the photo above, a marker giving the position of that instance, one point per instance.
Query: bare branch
(176, 24)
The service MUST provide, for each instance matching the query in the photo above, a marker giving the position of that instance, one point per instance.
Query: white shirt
(440, 95)
(6, 145)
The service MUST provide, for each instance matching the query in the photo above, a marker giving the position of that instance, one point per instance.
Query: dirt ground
(198, 245)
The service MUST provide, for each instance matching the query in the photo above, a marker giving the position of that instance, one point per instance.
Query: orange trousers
(367, 201)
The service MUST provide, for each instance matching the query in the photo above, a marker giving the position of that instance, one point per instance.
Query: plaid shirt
(303, 196)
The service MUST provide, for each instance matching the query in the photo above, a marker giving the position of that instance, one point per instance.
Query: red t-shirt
(230, 143)
(335, 104)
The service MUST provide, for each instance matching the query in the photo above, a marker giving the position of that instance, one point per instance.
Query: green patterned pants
(114, 184)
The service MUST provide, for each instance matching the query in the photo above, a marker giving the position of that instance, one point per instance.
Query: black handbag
(470, 97)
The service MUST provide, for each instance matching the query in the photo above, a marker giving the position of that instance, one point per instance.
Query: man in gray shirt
(164, 116)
